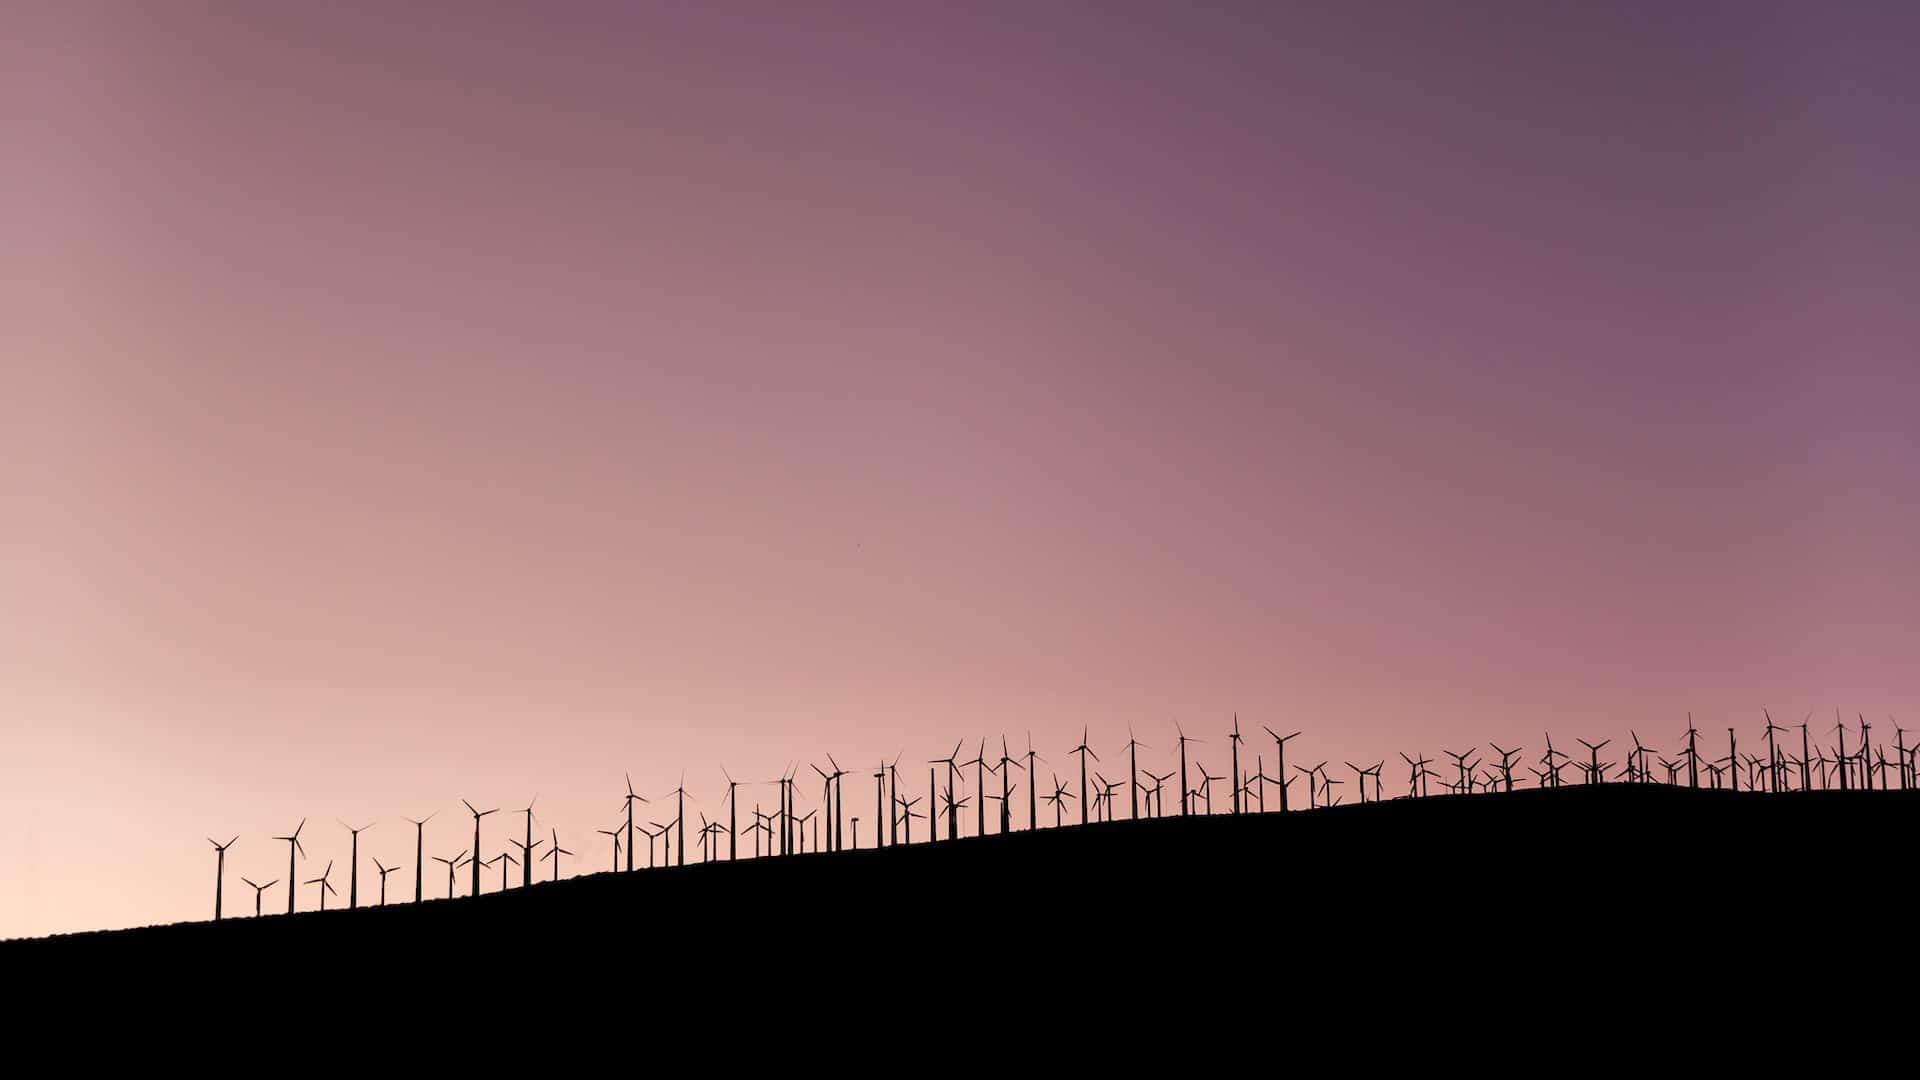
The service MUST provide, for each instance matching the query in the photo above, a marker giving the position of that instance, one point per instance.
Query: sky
(407, 404)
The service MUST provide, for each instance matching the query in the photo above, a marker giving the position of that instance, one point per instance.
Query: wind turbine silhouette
(1280, 761)
(1205, 790)
(679, 822)
(1773, 754)
(504, 858)
(1550, 760)
(1416, 774)
(220, 872)
(1362, 774)
(420, 849)
(829, 796)
(1466, 768)
(733, 818)
(979, 763)
(1083, 750)
(1733, 758)
(1594, 774)
(1059, 794)
(526, 865)
(325, 885)
(631, 798)
(665, 833)
(477, 815)
(453, 864)
(801, 822)
(1007, 765)
(837, 814)
(384, 871)
(953, 807)
(554, 851)
(893, 787)
(257, 890)
(953, 815)
(1234, 741)
(907, 814)
(353, 872)
(293, 846)
(1312, 783)
(1033, 785)
(1506, 763)
(1156, 796)
(1327, 784)
(1133, 748)
(527, 858)
(615, 833)
(1184, 790)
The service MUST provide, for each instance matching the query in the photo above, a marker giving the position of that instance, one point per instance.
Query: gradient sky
(407, 402)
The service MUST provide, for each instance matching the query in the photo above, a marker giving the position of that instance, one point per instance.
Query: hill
(1548, 887)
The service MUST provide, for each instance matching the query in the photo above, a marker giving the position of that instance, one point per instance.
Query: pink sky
(406, 405)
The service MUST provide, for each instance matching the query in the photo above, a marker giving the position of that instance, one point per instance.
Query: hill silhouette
(1569, 889)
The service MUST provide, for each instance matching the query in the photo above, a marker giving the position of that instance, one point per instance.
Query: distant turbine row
(783, 830)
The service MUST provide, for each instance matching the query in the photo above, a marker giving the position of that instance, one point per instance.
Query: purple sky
(402, 404)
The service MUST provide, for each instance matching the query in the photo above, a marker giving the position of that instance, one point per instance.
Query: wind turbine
(293, 846)
(420, 849)
(1059, 794)
(1594, 774)
(1205, 790)
(1312, 783)
(504, 858)
(1184, 740)
(1155, 796)
(953, 814)
(679, 822)
(1234, 740)
(954, 806)
(384, 871)
(1417, 774)
(453, 864)
(631, 798)
(907, 814)
(1007, 765)
(1506, 762)
(527, 857)
(839, 811)
(979, 764)
(1083, 750)
(828, 796)
(353, 873)
(1033, 787)
(257, 890)
(526, 865)
(220, 872)
(1362, 774)
(1134, 746)
(1773, 754)
(477, 815)
(554, 852)
(733, 818)
(1550, 760)
(1280, 763)
(325, 885)
(615, 833)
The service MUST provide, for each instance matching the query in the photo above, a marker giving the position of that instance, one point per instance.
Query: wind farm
(1863, 783)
